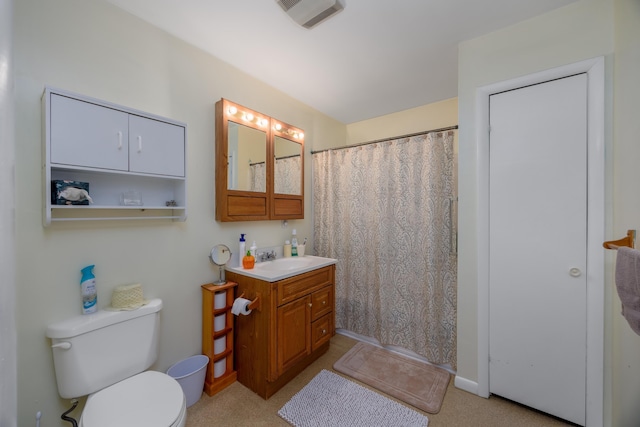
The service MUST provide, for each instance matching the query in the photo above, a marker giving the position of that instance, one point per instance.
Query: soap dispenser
(242, 249)
(294, 243)
(287, 248)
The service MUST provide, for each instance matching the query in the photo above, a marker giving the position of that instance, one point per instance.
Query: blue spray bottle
(89, 291)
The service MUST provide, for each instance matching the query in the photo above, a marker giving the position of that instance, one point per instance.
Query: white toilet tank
(91, 352)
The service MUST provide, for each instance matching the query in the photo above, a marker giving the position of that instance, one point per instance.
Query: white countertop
(282, 268)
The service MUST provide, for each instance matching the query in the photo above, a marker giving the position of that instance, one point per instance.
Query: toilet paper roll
(219, 345)
(219, 368)
(220, 300)
(219, 322)
(241, 306)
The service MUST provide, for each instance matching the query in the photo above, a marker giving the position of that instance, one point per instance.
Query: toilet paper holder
(255, 303)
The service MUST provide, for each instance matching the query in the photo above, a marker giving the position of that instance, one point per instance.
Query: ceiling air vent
(309, 13)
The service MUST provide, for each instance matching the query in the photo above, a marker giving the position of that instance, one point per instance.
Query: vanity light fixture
(247, 116)
(294, 133)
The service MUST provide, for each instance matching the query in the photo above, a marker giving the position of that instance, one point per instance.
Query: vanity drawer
(321, 331)
(321, 302)
(303, 284)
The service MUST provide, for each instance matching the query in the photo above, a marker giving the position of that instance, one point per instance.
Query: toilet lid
(149, 399)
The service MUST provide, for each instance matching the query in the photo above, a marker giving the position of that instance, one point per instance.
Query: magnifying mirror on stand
(220, 255)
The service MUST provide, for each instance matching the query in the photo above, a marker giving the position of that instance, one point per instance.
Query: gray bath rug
(330, 400)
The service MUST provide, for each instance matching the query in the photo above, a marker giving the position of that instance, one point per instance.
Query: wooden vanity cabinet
(291, 328)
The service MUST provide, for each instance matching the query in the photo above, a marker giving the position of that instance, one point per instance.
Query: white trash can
(190, 374)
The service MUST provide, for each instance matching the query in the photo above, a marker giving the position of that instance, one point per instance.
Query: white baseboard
(466, 385)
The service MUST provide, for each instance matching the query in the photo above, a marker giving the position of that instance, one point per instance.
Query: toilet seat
(149, 399)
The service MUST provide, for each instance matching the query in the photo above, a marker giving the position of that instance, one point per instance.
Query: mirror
(287, 167)
(247, 158)
(259, 166)
(220, 255)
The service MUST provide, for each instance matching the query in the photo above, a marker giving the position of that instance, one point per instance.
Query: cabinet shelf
(222, 333)
(220, 356)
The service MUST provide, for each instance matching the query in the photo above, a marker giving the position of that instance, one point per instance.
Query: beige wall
(576, 32)
(93, 48)
(626, 200)
(427, 117)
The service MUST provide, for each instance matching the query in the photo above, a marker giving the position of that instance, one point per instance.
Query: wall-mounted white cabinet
(116, 150)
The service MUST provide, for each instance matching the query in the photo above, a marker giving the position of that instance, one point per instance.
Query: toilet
(106, 355)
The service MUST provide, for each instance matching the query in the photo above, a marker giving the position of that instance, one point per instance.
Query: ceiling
(374, 58)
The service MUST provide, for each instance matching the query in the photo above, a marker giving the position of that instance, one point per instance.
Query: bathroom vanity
(291, 327)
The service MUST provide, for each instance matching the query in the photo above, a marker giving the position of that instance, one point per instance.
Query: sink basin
(285, 264)
(283, 268)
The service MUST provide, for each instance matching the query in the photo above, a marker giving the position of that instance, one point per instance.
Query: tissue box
(58, 185)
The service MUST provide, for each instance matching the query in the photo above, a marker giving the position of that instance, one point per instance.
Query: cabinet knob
(310, 305)
(324, 331)
(324, 303)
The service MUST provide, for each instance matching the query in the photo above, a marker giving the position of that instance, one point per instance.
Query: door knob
(575, 272)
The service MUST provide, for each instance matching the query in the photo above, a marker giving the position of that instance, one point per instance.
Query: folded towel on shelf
(628, 285)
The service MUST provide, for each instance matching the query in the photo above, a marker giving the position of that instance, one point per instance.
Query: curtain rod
(388, 139)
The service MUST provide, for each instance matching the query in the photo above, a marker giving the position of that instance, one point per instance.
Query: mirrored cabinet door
(242, 170)
(246, 158)
(288, 171)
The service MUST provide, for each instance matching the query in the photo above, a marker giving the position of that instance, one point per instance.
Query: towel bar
(628, 241)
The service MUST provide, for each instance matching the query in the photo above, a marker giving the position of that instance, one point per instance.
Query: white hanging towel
(628, 285)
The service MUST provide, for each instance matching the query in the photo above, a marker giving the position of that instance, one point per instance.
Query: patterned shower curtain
(384, 211)
(286, 176)
(258, 177)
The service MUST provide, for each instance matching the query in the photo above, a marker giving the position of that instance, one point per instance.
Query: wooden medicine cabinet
(259, 166)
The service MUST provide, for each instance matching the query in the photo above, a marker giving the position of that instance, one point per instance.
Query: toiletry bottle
(89, 291)
(241, 251)
(287, 248)
(294, 243)
(253, 249)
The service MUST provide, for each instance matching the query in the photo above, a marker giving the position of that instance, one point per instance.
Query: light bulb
(248, 117)
(232, 110)
(278, 126)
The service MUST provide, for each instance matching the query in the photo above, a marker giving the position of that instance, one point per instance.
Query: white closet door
(537, 265)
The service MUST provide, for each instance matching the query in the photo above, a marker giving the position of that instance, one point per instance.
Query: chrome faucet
(266, 256)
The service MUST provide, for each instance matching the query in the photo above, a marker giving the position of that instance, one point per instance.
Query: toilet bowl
(149, 399)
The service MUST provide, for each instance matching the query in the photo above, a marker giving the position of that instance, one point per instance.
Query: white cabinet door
(88, 135)
(537, 247)
(155, 147)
